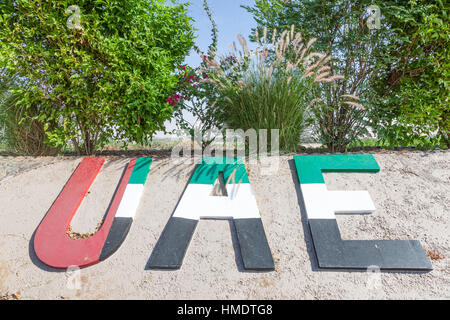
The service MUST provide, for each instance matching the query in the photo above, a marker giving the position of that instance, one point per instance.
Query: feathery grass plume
(350, 96)
(265, 53)
(239, 62)
(279, 55)
(309, 58)
(297, 63)
(325, 80)
(265, 34)
(336, 77)
(303, 53)
(281, 47)
(296, 41)
(332, 79)
(297, 51)
(326, 60)
(269, 72)
(274, 35)
(243, 44)
(317, 64)
(283, 34)
(286, 43)
(312, 67)
(234, 47)
(355, 104)
(221, 84)
(292, 31)
(212, 63)
(209, 80)
(310, 43)
(324, 68)
(257, 37)
(321, 76)
(313, 101)
(289, 66)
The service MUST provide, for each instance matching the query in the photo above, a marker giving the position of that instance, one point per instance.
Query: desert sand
(411, 194)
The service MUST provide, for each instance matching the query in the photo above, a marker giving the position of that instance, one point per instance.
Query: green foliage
(260, 90)
(194, 95)
(109, 78)
(341, 31)
(19, 132)
(400, 71)
(263, 102)
(414, 83)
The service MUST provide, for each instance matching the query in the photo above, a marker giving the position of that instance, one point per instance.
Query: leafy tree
(100, 70)
(412, 89)
(341, 31)
(399, 70)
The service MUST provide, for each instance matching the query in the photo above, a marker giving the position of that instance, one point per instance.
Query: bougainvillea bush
(195, 96)
(101, 70)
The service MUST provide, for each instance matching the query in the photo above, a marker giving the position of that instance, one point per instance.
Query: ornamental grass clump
(274, 86)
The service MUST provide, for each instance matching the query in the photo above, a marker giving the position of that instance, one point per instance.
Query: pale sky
(231, 20)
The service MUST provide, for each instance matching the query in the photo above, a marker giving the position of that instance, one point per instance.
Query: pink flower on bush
(171, 101)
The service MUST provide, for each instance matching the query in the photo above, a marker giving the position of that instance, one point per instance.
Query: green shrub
(269, 102)
(102, 75)
(261, 90)
(20, 133)
(341, 31)
(400, 71)
(412, 90)
(23, 134)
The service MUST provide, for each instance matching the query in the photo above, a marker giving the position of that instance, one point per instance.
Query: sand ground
(411, 194)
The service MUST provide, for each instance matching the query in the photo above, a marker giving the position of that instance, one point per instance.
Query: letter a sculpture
(197, 202)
